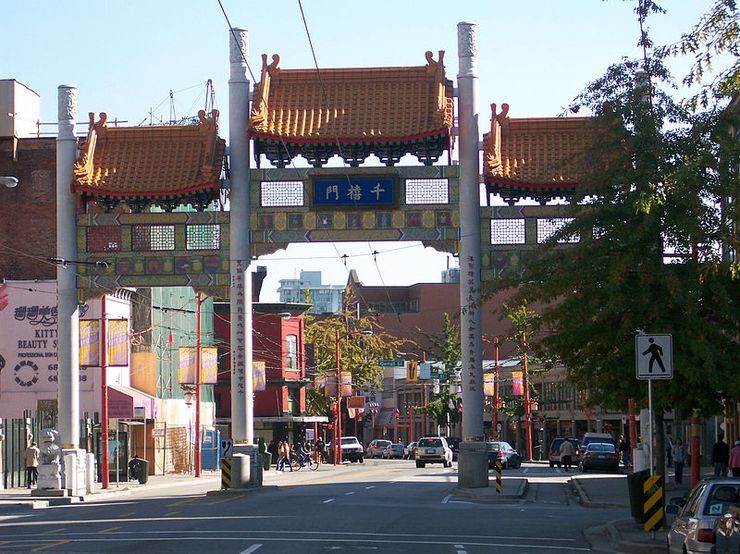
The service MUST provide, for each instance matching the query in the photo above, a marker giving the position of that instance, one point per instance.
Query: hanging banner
(517, 384)
(329, 384)
(259, 376)
(208, 365)
(346, 377)
(90, 342)
(186, 369)
(489, 385)
(117, 342)
(425, 371)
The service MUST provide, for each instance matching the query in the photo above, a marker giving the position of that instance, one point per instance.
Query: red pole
(695, 461)
(424, 391)
(494, 419)
(395, 430)
(338, 426)
(372, 424)
(527, 412)
(104, 467)
(411, 423)
(197, 389)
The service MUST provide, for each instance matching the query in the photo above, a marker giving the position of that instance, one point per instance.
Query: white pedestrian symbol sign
(654, 356)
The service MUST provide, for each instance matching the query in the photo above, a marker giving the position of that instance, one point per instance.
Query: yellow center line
(49, 545)
(109, 529)
(53, 531)
(171, 514)
(128, 514)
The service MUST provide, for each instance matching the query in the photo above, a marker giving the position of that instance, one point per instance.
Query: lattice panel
(548, 227)
(281, 193)
(203, 237)
(427, 191)
(106, 238)
(152, 237)
(508, 231)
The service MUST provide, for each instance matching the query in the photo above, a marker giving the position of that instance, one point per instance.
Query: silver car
(693, 529)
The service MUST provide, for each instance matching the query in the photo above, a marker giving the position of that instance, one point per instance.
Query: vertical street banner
(489, 388)
(117, 342)
(517, 383)
(28, 338)
(208, 365)
(346, 384)
(186, 369)
(259, 376)
(90, 342)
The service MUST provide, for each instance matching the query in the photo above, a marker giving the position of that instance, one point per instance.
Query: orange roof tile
(352, 105)
(166, 161)
(540, 155)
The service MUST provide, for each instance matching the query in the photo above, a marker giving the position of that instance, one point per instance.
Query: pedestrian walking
(283, 456)
(679, 459)
(720, 456)
(735, 458)
(31, 458)
(566, 454)
(624, 450)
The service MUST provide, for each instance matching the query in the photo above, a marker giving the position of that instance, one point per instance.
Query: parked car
(454, 444)
(352, 450)
(588, 438)
(409, 451)
(501, 450)
(393, 451)
(554, 454)
(600, 455)
(376, 447)
(692, 529)
(727, 531)
(433, 450)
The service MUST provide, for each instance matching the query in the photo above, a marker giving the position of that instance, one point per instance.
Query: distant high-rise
(308, 289)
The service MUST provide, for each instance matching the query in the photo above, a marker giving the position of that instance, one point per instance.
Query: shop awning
(292, 419)
(122, 400)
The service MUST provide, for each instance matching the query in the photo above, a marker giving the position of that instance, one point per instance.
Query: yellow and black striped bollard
(499, 482)
(225, 473)
(652, 506)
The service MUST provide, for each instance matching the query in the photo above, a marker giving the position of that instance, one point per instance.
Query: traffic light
(412, 370)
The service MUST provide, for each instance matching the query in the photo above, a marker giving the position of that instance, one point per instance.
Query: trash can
(142, 471)
(635, 481)
(266, 460)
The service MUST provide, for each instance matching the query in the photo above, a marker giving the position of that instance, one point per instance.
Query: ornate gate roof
(352, 112)
(539, 158)
(140, 166)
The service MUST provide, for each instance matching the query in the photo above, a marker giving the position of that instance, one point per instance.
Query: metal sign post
(653, 360)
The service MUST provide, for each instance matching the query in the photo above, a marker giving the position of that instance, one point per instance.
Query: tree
(362, 344)
(445, 349)
(660, 176)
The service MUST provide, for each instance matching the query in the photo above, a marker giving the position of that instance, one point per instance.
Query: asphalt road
(379, 506)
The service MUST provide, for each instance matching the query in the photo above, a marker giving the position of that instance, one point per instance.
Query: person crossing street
(566, 454)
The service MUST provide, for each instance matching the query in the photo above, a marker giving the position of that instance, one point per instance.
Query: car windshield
(349, 440)
(495, 446)
(430, 443)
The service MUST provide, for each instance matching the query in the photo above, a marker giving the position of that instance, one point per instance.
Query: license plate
(601, 456)
(430, 451)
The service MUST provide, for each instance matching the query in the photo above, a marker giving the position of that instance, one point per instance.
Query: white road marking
(369, 487)
(348, 493)
(328, 500)
(251, 549)
(446, 499)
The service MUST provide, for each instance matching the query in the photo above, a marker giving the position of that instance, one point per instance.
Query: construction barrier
(226, 473)
(499, 481)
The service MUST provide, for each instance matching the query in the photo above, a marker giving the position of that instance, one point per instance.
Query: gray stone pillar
(472, 465)
(242, 404)
(68, 315)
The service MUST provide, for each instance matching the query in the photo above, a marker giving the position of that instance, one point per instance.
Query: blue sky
(126, 56)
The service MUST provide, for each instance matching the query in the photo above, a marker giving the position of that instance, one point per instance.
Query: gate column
(242, 404)
(473, 463)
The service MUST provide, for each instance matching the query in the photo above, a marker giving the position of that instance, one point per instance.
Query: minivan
(588, 438)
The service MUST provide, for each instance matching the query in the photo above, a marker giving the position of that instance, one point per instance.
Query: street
(381, 506)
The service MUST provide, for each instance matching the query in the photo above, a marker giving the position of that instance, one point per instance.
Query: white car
(693, 529)
(433, 450)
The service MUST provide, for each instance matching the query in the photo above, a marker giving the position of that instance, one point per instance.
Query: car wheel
(552, 464)
(419, 464)
(361, 459)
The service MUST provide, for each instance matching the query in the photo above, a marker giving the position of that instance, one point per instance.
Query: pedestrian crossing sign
(654, 356)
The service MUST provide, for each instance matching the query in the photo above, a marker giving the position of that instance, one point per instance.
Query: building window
(152, 237)
(291, 352)
(548, 227)
(203, 237)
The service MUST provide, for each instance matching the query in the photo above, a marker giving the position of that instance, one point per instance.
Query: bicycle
(304, 460)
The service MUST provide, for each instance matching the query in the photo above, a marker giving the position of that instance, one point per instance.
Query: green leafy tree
(659, 182)
(445, 348)
(362, 344)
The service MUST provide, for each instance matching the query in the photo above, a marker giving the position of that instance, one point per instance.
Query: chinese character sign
(354, 191)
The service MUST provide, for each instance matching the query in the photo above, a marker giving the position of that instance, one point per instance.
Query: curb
(485, 494)
(586, 501)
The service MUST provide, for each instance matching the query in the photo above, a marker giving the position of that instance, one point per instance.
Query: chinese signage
(28, 341)
(349, 191)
